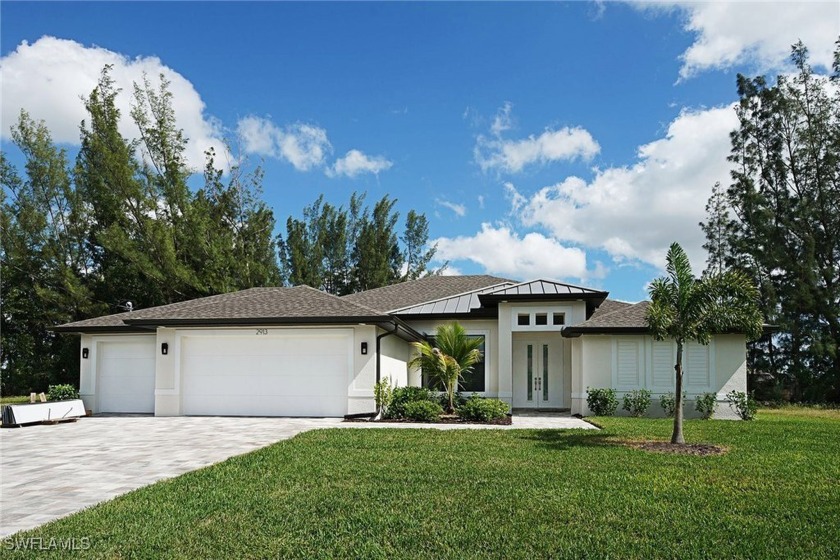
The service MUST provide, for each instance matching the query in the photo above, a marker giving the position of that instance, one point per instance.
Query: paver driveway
(47, 472)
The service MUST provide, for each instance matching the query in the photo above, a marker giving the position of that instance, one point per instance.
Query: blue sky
(572, 141)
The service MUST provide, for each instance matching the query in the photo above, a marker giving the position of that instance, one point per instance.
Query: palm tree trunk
(677, 436)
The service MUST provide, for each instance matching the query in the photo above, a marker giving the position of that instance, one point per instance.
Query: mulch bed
(697, 449)
(446, 419)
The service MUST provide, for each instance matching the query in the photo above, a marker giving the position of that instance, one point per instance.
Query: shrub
(744, 404)
(383, 394)
(637, 402)
(668, 402)
(404, 395)
(457, 398)
(423, 411)
(62, 393)
(483, 410)
(601, 402)
(706, 405)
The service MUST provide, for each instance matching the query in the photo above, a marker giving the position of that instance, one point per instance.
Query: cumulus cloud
(305, 146)
(49, 77)
(511, 156)
(500, 250)
(635, 212)
(459, 209)
(729, 33)
(356, 162)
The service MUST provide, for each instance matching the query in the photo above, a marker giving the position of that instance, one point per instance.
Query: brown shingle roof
(298, 304)
(610, 305)
(627, 318)
(98, 324)
(430, 288)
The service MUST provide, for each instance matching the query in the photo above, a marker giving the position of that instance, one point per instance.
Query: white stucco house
(302, 352)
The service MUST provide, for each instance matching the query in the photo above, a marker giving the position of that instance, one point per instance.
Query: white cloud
(451, 271)
(459, 209)
(481, 201)
(511, 156)
(49, 77)
(729, 33)
(499, 250)
(635, 212)
(502, 121)
(305, 146)
(356, 162)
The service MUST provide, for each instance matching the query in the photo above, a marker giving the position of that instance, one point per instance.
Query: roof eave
(497, 298)
(262, 321)
(115, 329)
(484, 314)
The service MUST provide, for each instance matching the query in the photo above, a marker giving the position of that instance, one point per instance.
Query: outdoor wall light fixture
(164, 348)
(85, 353)
(364, 348)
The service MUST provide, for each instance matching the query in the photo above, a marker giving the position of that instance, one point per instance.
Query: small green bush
(668, 402)
(62, 392)
(743, 404)
(423, 411)
(637, 402)
(443, 399)
(383, 394)
(404, 395)
(601, 402)
(477, 409)
(706, 405)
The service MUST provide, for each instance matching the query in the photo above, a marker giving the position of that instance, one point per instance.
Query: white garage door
(126, 380)
(281, 373)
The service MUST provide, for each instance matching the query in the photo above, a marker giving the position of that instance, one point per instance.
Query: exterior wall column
(505, 345)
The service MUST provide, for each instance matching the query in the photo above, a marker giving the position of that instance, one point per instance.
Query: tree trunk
(677, 436)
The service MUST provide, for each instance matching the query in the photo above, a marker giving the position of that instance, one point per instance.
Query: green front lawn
(383, 493)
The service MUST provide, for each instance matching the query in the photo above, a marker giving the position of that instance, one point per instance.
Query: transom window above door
(539, 319)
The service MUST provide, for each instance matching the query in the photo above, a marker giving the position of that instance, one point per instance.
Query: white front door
(538, 371)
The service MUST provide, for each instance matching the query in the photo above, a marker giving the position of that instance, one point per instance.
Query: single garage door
(267, 372)
(126, 374)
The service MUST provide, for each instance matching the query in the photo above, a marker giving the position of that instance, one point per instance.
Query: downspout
(379, 356)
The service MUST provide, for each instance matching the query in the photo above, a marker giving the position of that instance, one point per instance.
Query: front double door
(538, 371)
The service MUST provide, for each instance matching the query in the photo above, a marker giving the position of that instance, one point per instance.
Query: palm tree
(684, 308)
(453, 354)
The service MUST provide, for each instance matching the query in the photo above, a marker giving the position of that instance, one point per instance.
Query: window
(523, 319)
(541, 319)
(471, 382)
(558, 319)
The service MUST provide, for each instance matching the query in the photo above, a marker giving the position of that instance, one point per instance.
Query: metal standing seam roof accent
(457, 304)
(543, 287)
(416, 292)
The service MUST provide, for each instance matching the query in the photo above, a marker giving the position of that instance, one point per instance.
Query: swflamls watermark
(46, 543)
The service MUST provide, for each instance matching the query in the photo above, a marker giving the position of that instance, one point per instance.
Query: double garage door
(267, 373)
(252, 372)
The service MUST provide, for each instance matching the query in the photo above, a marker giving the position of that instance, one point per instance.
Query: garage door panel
(299, 373)
(126, 376)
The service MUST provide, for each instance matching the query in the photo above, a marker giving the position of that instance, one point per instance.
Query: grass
(14, 399)
(492, 494)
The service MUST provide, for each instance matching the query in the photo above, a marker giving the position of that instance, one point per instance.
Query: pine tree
(786, 226)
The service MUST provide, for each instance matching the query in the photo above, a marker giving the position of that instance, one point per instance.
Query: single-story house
(302, 352)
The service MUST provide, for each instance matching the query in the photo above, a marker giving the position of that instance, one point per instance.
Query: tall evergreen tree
(415, 239)
(377, 258)
(44, 262)
(785, 198)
